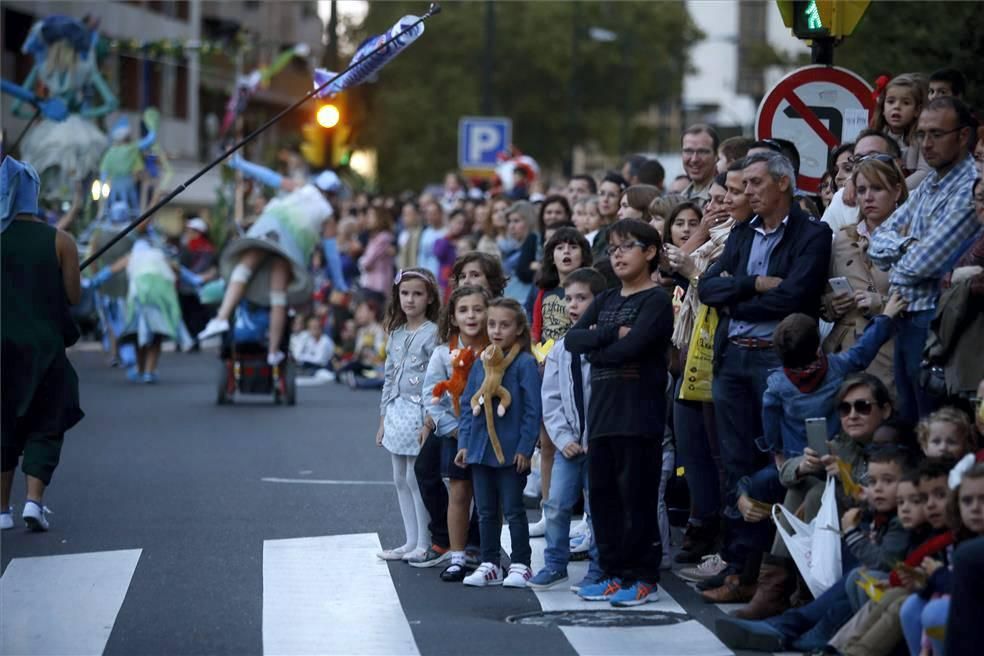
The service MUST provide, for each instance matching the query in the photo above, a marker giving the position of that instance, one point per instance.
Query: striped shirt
(920, 240)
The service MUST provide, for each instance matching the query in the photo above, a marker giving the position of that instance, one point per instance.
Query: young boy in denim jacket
(565, 392)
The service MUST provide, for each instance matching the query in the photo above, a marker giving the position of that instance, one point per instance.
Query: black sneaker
(472, 558)
(434, 556)
(455, 573)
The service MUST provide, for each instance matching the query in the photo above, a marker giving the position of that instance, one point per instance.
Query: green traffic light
(812, 15)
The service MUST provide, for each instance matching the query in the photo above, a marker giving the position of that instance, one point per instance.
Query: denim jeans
(567, 478)
(822, 617)
(911, 331)
(495, 486)
(695, 454)
(738, 386)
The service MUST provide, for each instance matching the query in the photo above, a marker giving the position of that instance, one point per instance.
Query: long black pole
(434, 9)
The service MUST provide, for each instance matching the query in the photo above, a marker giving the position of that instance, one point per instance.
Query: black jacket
(801, 259)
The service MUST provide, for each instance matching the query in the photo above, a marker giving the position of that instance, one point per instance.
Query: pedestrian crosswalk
(320, 595)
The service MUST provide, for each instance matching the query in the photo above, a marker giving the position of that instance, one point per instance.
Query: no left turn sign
(817, 108)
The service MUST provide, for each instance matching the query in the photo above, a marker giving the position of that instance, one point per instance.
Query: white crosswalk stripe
(690, 637)
(57, 605)
(307, 605)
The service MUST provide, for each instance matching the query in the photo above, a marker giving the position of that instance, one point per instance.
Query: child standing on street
(566, 251)
(565, 395)
(625, 336)
(500, 481)
(410, 318)
(462, 332)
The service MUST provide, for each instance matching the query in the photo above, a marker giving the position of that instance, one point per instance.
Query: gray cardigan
(407, 355)
(557, 394)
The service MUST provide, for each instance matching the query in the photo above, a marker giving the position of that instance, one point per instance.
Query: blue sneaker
(151, 378)
(749, 634)
(601, 591)
(636, 595)
(589, 579)
(546, 578)
(133, 375)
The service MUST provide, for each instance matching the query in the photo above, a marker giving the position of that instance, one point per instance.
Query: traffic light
(328, 116)
(817, 19)
(313, 146)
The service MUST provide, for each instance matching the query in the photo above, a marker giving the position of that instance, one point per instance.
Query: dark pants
(911, 331)
(963, 633)
(818, 620)
(623, 482)
(195, 314)
(739, 383)
(427, 468)
(495, 486)
(40, 453)
(696, 455)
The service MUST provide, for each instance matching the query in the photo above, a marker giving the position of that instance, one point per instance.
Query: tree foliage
(908, 37)
(542, 59)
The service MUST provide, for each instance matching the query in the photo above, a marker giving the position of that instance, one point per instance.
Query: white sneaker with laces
(214, 327)
(709, 567)
(518, 577)
(35, 516)
(486, 574)
(539, 529)
(7, 519)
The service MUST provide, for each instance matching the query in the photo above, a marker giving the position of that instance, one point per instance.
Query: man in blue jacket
(772, 266)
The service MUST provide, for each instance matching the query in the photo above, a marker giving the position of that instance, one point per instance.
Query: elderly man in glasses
(925, 237)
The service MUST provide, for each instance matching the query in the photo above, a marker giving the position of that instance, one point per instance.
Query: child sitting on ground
(311, 348)
(365, 370)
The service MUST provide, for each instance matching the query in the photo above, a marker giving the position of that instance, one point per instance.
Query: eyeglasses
(935, 135)
(860, 406)
(878, 157)
(624, 247)
(699, 152)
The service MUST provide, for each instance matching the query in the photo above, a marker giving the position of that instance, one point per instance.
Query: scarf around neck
(808, 378)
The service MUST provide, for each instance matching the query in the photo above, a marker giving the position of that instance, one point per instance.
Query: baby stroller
(243, 367)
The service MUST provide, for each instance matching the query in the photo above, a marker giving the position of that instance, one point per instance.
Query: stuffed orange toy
(462, 360)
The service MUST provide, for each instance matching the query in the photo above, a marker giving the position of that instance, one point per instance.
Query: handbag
(698, 369)
(815, 547)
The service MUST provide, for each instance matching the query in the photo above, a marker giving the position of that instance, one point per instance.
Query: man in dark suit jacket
(772, 266)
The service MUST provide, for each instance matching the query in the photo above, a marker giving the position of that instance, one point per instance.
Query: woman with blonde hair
(881, 188)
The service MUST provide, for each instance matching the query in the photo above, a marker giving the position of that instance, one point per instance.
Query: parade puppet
(269, 265)
(65, 90)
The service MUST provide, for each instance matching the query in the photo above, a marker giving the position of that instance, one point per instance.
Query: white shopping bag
(815, 547)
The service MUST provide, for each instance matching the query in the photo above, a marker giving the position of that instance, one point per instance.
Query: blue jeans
(568, 477)
(738, 386)
(917, 615)
(494, 486)
(911, 331)
(821, 618)
(697, 458)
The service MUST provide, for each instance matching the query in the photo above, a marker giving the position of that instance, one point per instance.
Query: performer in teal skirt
(40, 399)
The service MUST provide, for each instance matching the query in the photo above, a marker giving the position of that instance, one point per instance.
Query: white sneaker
(580, 545)
(415, 554)
(710, 566)
(539, 529)
(273, 359)
(214, 327)
(583, 526)
(519, 574)
(393, 554)
(7, 519)
(486, 574)
(35, 516)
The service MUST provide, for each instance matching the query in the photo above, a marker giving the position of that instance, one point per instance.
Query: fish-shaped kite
(366, 62)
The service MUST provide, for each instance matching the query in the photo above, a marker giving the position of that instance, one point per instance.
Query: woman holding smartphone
(858, 290)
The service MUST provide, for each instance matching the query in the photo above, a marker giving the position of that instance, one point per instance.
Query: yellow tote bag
(700, 357)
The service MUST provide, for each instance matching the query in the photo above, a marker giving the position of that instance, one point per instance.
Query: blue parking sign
(481, 139)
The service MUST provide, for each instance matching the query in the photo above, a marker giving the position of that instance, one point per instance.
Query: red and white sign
(817, 108)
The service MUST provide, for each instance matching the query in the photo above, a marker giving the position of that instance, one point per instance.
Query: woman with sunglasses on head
(880, 189)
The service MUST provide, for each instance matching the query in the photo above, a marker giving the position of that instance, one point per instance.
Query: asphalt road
(163, 475)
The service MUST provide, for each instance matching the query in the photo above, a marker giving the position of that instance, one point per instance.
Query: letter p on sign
(481, 139)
